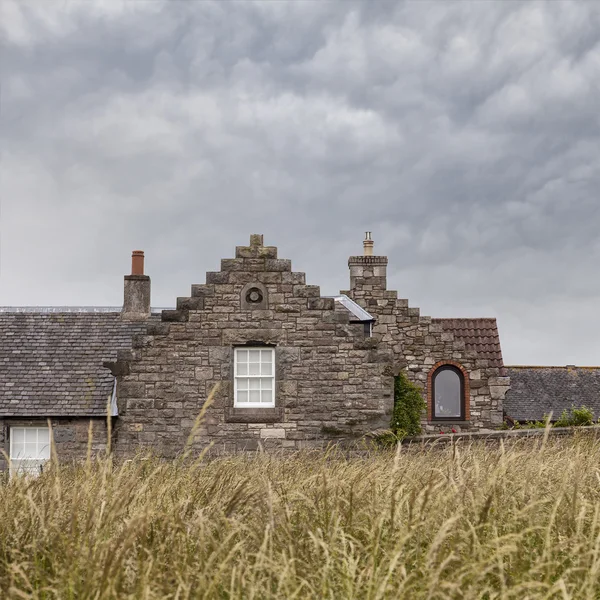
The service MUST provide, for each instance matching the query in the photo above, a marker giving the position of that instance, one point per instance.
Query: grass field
(464, 522)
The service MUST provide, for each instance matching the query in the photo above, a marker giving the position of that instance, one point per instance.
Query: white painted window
(29, 449)
(254, 374)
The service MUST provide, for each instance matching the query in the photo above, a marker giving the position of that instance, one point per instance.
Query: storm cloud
(465, 136)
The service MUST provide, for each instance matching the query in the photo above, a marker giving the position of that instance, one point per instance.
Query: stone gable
(332, 380)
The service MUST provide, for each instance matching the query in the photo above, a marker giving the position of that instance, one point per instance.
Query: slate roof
(479, 335)
(51, 362)
(536, 391)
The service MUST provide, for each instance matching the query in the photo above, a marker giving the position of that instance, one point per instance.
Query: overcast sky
(465, 136)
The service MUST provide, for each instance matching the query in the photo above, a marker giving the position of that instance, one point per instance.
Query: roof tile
(479, 335)
(537, 391)
(51, 363)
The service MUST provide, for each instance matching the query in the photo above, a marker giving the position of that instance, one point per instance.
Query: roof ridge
(464, 319)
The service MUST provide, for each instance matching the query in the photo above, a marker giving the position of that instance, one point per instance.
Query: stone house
(285, 367)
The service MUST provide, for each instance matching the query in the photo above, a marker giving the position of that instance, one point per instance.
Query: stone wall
(333, 382)
(421, 346)
(70, 436)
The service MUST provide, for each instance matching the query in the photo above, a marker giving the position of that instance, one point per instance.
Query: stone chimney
(136, 303)
(368, 273)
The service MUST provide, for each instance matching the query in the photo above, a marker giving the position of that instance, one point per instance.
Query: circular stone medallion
(254, 296)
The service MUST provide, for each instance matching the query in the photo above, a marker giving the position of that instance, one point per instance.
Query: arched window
(448, 394)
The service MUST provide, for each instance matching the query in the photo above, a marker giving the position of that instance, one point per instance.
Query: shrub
(534, 425)
(408, 407)
(577, 417)
(564, 419)
(582, 416)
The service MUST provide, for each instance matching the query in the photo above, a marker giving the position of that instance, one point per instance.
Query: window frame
(35, 465)
(237, 377)
(463, 401)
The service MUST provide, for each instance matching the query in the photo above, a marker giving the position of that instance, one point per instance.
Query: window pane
(242, 396)
(254, 355)
(254, 368)
(44, 451)
(242, 368)
(255, 396)
(31, 436)
(43, 436)
(30, 451)
(267, 396)
(18, 435)
(447, 394)
(254, 384)
(242, 355)
(266, 383)
(266, 368)
(17, 450)
(242, 384)
(266, 356)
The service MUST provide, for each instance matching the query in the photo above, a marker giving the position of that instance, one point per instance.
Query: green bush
(582, 416)
(534, 425)
(578, 417)
(408, 407)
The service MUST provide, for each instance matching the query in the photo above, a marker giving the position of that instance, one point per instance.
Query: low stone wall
(504, 435)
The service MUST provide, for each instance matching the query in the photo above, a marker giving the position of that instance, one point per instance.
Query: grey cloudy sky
(466, 136)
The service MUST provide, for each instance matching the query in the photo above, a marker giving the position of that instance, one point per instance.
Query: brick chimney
(368, 274)
(136, 302)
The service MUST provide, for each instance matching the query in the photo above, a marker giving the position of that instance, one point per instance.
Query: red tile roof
(479, 335)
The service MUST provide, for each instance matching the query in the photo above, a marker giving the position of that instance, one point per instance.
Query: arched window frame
(465, 391)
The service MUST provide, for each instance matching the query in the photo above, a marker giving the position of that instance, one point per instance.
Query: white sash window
(254, 374)
(29, 449)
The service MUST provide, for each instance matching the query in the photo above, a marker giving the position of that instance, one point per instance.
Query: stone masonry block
(217, 277)
(321, 303)
(133, 389)
(257, 240)
(177, 316)
(279, 264)
(307, 291)
(232, 264)
(157, 328)
(202, 373)
(269, 252)
(196, 303)
(203, 289)
(293, 278)
(272, 433)
(245, 252)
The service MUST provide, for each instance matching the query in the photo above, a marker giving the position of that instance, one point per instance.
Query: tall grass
(452, 522)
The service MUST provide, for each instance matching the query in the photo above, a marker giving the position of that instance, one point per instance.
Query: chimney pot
(368, 244)
(137, 262)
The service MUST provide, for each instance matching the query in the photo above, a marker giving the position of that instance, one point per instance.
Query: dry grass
(468, 522)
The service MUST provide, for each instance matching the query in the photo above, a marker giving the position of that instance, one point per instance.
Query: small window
(448, 393)
(29, 449)
(254, 377)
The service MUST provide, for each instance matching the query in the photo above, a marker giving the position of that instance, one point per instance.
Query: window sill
(254, 415)
(450, 421)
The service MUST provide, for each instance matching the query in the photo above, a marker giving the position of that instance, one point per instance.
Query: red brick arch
(467, 398)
